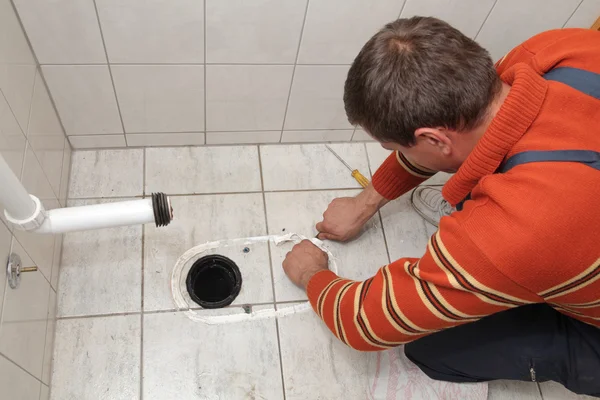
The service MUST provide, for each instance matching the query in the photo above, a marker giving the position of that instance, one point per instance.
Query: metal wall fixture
(14, 268)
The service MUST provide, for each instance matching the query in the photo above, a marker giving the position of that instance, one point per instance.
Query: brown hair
(416, 73)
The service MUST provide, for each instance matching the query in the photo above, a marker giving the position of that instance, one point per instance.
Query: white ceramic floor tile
(556, 391)
(153, 31)
(317, 136)
(97, 358)
(586, 14)
(23, 330)
(405, 230)
(311, 166)
(200, 219)
(361, 136)
(106, 173)
(165, 139)
(187, 170)
(16, 383)
(512, 390)
(160, 98)
(299, 212)
(185, 359)
(101, 271)
(264, 31)
(316, 365)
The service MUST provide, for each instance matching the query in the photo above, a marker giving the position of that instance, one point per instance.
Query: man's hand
(304, 261)
(345, 216)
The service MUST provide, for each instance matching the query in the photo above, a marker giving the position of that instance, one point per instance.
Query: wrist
(370, 201)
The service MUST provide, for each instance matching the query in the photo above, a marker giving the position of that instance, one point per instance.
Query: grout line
(117, 314)
(539, 388)
(144, 173)
(287, 103)
(402, 8)
(142, 315)
(38, 65)
(205, 68)
(21, 368)
(112, 79)
(573, 13)
(485, 20)
(204, 63)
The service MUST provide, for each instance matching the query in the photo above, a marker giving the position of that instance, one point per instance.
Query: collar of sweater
(515, 116)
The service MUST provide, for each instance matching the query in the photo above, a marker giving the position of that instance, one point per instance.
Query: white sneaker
(429, 204)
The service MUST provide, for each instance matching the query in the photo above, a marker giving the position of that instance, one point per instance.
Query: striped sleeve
(397, 175)
(452, 284)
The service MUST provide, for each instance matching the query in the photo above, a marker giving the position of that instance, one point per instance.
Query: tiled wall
(33, 143)
(188, 72)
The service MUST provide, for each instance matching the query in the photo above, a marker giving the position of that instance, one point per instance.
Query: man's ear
(436, 137)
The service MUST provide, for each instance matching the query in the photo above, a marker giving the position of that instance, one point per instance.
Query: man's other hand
(345, 216)
(303, 262)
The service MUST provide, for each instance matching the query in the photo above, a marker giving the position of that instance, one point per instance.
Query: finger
(320, 226)
(328, 236)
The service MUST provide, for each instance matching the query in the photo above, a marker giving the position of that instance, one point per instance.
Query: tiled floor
(118, 335)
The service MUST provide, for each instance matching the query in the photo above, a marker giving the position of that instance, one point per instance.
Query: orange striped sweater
(529, 235)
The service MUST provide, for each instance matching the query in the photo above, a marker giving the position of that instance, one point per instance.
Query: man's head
(421, 86)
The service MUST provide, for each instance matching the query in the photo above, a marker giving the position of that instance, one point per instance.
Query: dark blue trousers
(532, 342)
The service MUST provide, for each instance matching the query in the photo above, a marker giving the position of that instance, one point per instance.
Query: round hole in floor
(214, 281)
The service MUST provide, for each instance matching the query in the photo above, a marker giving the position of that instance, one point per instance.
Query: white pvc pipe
(13, 196)
(97, 216)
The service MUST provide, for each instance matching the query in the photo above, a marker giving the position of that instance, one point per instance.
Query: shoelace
(443, 207)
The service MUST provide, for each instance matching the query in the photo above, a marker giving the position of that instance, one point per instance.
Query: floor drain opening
(214, 281)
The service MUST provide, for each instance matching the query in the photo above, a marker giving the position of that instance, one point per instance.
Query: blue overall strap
(584, 81)
(587, 82)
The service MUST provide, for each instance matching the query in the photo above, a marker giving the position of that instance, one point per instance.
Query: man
(515, 273)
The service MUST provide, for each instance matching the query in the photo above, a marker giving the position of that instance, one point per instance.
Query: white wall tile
(5, 248)
(46, 135)
(13, 44)
(23, 330)
(465, 15)
(243, 137)
(336, 30)
(97, 358)
(505, 28)
(299, 167)
(585, 15)
(62, 31)
(101, 271)
(317, 136)
(261, 31)
(107, 173)
(16, 82)
(44, 392)
(12, 139)
(84, 97)
(160, 98)
(97, 141)
(56, 260)
(246, 97)
(34, 179)
(66, 173)
(153, 31)
(16, 383)
(187, 170)
(316, 100)
(165, 139)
